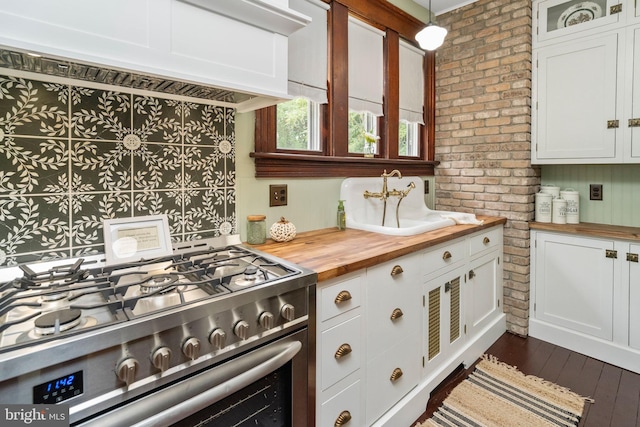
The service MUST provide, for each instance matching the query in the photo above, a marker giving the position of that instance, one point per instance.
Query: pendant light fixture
(432, 36)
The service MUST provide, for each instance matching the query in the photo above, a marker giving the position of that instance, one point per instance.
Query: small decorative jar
(256, 229)
(283, 231)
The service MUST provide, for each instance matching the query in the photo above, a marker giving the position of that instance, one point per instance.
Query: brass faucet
(385, 193)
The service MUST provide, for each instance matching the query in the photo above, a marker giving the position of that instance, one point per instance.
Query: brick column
(483, 131)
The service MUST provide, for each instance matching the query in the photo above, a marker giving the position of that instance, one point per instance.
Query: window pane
(298, 125)
(359, 124)
(408, 138)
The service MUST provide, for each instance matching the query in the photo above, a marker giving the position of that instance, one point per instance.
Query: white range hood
(232, 52)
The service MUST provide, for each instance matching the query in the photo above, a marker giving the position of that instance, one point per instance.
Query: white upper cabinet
(557, 19)
(576, 101)
(585, 83)
(228, 44)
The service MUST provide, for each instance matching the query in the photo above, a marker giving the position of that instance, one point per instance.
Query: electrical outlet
(595, 191)
(278, 195)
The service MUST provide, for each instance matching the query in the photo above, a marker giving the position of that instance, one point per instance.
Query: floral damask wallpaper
(71, 156)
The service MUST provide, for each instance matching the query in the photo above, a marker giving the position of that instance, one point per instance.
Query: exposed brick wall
(483, 131)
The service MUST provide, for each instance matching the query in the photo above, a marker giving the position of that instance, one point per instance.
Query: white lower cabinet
(340, 351)
(376, 364)
(584, 295)
(634, 295)
(443, 320)
(393, 313)
(484, 281)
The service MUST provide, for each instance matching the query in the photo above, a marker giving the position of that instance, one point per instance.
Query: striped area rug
(497, 394)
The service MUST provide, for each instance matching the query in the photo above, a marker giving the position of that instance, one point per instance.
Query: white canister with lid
(551, 189)
(559, 211)
(573, 205)
(543, 207)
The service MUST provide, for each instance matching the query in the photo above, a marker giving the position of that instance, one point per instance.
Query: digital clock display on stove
(59, 389)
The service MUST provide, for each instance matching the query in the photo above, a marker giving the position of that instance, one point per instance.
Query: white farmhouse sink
(415, 217)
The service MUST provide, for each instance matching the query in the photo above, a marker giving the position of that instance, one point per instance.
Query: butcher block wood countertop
(332, 253)
(605, 231)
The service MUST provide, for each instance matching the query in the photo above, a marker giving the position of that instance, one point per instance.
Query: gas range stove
(126, 329)
(71, 297)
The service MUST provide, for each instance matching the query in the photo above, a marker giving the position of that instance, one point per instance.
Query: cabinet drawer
(383, 388)
(344, 406)
(389, 320)
(446, 255)
(341, 352)
(486, 240)
(340, 298)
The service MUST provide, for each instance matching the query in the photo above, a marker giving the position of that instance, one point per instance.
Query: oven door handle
(227, 388)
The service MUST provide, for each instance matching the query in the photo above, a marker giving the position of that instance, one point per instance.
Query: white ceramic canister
(543, 207)
(559, 211)
(573, 205)
(550, 189)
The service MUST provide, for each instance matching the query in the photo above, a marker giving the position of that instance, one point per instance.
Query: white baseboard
(597, 348)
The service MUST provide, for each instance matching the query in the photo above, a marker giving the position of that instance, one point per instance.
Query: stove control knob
(218, 338)
(288, 312)
(266, 320)
(161, 358)
(126, 370)
(191, 348)
(241, 329)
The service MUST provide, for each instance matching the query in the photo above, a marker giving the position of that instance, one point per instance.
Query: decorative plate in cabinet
(563, 18)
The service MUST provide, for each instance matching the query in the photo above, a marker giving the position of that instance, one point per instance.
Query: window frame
(334, 160)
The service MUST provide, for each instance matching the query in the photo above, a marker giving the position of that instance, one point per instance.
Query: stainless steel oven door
(237, 377)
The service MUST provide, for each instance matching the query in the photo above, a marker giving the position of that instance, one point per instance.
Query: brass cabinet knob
(342, 296)
(486, 240)
(446, 255)
(472, 274)
(396, 314)
(342, 351)
(343, 418)
(395, 375)
(396, 270)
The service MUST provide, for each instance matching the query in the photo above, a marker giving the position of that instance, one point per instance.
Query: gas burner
(161, 282)
(53, 296)
(251, 272)
(57, 321)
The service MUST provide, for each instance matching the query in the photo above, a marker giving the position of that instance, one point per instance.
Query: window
(408, 139)
(298, 125)
(307, 137)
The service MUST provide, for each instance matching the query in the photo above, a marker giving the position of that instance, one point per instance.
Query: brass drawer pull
(396, 314)
(396, 270)
(610, 253)
(395, 375)
(342, 351)
(342, 296)
(616, 8)
(634, 123)
(343, 418)
(613, 124)
(446, 255)
(486, 240)
(632, 257)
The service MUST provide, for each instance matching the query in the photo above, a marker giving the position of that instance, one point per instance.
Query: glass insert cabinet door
(557, 18)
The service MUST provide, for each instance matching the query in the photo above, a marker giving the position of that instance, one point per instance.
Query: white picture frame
(136, 238)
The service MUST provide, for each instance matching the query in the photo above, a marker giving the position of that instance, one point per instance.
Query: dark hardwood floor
(616, 392)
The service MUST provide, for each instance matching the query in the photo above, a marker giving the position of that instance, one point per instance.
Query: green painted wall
(620, 190)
